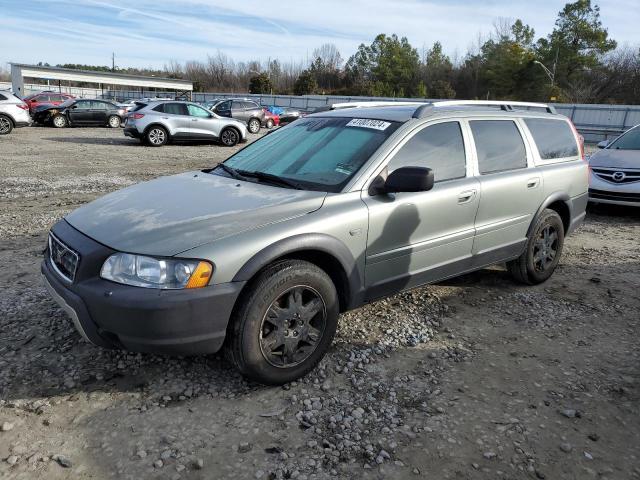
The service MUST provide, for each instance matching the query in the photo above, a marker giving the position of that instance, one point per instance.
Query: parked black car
(80, 112)
(241, 109)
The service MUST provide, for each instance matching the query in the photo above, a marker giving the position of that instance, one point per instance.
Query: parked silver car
(615, 170)
(159, 122)
(14, 113)
(262, 252)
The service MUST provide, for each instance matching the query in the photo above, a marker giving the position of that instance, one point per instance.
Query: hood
(172, 214)
(610, 157)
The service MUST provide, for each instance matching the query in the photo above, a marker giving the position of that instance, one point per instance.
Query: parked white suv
(14, 113)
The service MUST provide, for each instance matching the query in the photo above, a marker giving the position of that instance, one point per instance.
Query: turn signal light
(200, 276)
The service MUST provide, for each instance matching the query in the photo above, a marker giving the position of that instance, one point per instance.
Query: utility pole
(113, 61)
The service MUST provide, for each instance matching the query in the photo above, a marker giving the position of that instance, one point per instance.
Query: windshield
(628, 141)
(316, 153)
(68, 102)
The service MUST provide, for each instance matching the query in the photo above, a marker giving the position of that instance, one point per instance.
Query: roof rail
(336, 106)
(505, 105)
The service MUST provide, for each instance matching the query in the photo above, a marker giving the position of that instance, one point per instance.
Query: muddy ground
(474, 378)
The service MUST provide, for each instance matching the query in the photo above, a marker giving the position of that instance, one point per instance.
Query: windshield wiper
(270, 177)
(231, 171)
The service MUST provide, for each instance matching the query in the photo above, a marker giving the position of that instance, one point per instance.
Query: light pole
(550, 74)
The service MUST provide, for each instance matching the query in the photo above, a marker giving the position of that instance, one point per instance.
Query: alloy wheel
(254, 126)
(156, 136)
(114, 122)
(5, 125)
(545, 248)
(229, 137)
(293, 326)
(59, 121)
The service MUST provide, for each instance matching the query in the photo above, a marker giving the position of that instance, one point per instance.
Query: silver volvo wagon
(261, 253)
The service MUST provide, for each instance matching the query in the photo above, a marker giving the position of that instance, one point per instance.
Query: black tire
(6, 125)
(542, 252)
(156, 136)
(59, 121)
(114, 121)
(229, 137)
(269, 124)
(253, 125)
(271, 354)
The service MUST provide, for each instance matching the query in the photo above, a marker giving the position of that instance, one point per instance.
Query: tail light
(136, 116)
(580, 139)
(23, 106)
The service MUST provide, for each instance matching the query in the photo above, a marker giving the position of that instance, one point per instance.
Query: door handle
(533, 182)
(194, 119)
(466, 196)
(165, 118)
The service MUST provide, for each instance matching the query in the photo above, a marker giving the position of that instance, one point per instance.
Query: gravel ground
(473, 378)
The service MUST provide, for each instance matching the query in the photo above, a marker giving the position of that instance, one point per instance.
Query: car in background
(289, 114)
(45, 98)
(270, 119)
(130, 105)
(242, 109)
(158, 123)
(14, 113)
(615, 170)
(81, 112)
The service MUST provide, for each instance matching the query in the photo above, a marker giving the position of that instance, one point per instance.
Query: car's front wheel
(229, 137)
(254, 125)
(269, 123)
(114, 121)
(542, 251)
(285, 322)
(6, 125)
(59, 121)
(156, 136)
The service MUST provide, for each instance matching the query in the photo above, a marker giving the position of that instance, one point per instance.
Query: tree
(326, 66)
(577, 44)
(388, 67)
(305, 84)
(437, 73)
(260, 83)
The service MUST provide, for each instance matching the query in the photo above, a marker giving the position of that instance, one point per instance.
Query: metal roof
(110, 78)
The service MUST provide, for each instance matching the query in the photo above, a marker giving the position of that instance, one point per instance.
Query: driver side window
(195, 111)
(439, 147)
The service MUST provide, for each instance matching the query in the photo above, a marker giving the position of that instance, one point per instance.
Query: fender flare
(552, 198)
(308, 242)
(157, 124)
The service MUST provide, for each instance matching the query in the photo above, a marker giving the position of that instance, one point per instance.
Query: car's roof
(406, 112)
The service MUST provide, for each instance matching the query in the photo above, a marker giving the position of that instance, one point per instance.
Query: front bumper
(179, 322)
(601, 191)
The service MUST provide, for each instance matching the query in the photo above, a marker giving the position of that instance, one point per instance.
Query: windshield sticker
(344, 169)
(367, 123)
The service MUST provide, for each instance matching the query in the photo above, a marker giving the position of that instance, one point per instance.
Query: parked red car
(45, 98)
(270, 119)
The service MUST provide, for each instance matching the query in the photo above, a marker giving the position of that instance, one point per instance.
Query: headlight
(149, 272)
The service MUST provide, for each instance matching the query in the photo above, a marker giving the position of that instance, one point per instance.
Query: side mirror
(603, 144)
(405, 179)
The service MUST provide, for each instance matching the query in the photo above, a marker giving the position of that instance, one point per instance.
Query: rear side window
(2, 97)
(172, 108)
(499, 145)
(554, 138)
(140, 106)
(439, 147)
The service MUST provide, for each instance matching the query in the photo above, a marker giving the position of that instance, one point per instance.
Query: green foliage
(305, 84)
(260, 83)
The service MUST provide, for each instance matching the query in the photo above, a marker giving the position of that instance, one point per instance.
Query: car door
(99, 112)
(80, 113)
(202, 124)
(177, 118)
(239, 110)
(418, 237)
(223, 109)
(510, 188)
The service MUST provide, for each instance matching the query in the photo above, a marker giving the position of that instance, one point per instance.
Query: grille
(63, 259)
(619, 196)
(617, 175)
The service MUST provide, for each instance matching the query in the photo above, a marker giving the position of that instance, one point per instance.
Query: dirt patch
(476, 377)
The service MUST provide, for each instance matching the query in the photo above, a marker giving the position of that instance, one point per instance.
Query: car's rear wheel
(254, 125)
(114, 121)
(156, 136)
(59, 121)
(542, 252)
(229, 137)
(284, 322)
(269, 123)
(6, 125)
